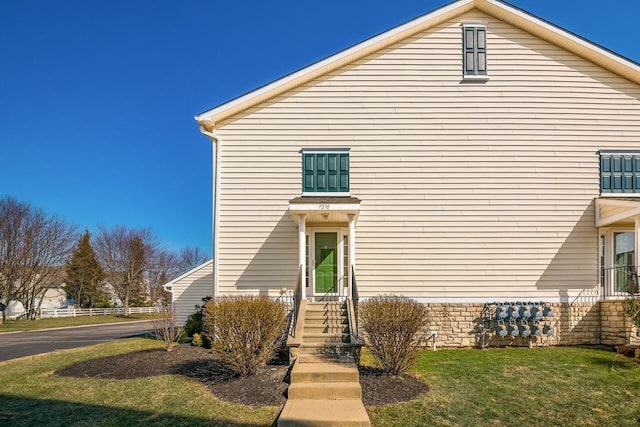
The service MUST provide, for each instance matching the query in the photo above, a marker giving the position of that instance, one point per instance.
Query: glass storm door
(326, 263)
(623, 261)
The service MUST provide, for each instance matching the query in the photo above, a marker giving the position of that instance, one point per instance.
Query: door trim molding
(341, 232)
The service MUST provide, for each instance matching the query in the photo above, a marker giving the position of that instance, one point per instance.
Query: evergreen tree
(85, 274)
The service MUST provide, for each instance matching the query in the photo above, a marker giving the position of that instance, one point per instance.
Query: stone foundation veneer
(576, 323)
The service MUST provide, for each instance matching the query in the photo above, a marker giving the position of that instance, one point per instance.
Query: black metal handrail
(355, 298)
(620, 281)
(297, 298)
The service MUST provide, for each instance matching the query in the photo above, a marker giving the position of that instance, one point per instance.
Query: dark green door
(326, 263)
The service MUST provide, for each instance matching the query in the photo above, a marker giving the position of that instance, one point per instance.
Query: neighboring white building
(54, 297)
(474, 154)
(188, 289)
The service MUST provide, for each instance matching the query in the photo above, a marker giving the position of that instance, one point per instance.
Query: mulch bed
(267, 387)
(379, 388)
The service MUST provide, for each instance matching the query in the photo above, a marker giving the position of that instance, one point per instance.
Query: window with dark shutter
(619, 172)
(325, 171)
(474, 46)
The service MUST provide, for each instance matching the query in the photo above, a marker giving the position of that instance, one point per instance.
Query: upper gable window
(620, 172)
(325, 172)
(474, 50)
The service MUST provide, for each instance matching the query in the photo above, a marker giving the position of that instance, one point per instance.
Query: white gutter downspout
(216, 201)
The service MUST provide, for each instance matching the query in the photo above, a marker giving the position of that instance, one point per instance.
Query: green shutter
(325, 172)
(481, 51)
(605, 174)
(619, 173)
(468, 47)
(474, 47)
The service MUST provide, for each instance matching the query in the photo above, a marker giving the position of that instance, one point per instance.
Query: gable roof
(167, 286)
(496, 8)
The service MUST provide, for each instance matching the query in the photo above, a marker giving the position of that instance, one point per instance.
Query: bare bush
(165, 327)
(245, 331)
(391, 324)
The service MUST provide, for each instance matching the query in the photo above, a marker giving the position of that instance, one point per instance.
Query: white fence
(74, 312)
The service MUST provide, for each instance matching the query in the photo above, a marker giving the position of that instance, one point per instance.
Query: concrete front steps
(325, 385)
(324, 391)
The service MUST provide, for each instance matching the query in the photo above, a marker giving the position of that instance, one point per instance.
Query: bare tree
(126, 255)
(166, 266)
(191, 257)
(33, 248)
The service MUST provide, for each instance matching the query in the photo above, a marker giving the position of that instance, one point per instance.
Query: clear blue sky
(97, 98)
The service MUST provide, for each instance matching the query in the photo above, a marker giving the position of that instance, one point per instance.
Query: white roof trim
(559, 31)
(207, 115)
(500, 10)
(193, 270)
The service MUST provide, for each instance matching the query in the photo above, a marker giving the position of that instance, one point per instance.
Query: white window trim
(608, 233)
(325, 150)
(326, 194)
(621, 194)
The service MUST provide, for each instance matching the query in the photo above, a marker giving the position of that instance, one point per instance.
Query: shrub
(245, 331)
(194, 323)
(391, 324)
(197, 339)
(165, 327)
(632, 310)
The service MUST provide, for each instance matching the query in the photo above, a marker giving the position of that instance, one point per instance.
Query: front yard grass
(533, 387)
(31, 394)
(59, 322)
(504, 387)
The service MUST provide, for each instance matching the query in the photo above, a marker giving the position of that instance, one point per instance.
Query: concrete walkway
(324, 391)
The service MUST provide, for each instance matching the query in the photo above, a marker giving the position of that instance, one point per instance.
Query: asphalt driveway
(20, 344)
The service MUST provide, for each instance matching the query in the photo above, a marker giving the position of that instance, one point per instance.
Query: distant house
(188, 289)
(54, 297)
(476, 154)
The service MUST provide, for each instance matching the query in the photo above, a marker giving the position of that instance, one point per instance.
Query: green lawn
(31, 395)
(30, 325)
(529, 387)
(503, 387)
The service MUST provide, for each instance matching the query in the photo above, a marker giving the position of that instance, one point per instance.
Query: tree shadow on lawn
(266, 387)
(17, 411)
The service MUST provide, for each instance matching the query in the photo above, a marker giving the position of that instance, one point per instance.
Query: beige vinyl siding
(187, 291)
(468, 190)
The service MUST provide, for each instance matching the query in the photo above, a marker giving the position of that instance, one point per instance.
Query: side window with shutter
(474, 47)
(619, 172)
(325, 172)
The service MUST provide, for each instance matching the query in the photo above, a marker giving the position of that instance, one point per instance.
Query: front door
(326, 263)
